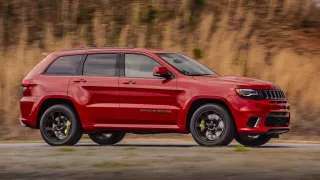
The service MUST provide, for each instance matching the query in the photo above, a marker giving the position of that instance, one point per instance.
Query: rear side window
(100, 65)
(64, 65)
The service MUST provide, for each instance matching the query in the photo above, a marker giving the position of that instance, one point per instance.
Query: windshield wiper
(200, 74)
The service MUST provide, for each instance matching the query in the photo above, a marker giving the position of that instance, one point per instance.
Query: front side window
(100, 65)
(186, 65)
(64, 65)
(141, 66)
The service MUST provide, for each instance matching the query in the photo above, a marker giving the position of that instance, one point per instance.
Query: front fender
(182, 120)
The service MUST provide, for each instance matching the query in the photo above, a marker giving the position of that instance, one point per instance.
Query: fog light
(253, 122)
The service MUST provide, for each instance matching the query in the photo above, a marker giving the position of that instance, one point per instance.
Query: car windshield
(186, 65)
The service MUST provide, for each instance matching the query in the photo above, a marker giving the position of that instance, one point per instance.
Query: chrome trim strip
(257, 122)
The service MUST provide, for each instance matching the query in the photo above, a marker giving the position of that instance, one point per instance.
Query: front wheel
(107, 138)
(248, 140)
(212, 125)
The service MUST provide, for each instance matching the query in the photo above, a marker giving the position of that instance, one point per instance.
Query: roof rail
(86, 48)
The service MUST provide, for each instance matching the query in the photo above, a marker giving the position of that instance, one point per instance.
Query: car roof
(106, 49)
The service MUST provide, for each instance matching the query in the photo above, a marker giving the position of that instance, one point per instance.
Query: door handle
(128, 82)
(79, 80)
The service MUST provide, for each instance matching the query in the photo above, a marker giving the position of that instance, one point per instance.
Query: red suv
(108, 92)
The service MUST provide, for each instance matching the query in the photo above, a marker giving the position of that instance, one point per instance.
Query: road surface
(143, 160)
(170, 144)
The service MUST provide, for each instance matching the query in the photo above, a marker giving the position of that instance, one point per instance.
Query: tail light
(27, 85)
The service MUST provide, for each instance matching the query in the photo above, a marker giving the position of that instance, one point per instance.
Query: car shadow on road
(185, 145)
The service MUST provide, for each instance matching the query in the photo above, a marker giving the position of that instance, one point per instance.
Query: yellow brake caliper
(66, 131)
(202, 126)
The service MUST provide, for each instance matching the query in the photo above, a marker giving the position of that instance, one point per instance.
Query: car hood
(240, 82)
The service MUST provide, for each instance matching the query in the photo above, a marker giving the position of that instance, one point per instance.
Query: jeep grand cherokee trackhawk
(108, 92)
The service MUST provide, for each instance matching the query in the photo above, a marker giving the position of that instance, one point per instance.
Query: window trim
(122, 66)
(80, 69)
(43, 73)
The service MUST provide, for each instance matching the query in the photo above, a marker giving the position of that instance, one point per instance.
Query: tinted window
(100, 65)
(65, 65)
(137, 65)
(186, 65)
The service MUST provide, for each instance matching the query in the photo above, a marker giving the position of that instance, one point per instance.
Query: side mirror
(161, 71)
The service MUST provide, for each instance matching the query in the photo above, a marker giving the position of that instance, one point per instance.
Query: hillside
(273, 40)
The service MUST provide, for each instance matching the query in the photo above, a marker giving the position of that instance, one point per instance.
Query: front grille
(277, 119)
(271, 94)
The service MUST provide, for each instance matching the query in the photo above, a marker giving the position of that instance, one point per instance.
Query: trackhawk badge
(156, 111)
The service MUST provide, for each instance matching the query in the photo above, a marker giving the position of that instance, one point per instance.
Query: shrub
(195, 10)
(149, 16)
(197, 53)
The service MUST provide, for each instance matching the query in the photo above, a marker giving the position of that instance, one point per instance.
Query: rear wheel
(248, 140)
(212, 125)
(59, 126)
(107, 138)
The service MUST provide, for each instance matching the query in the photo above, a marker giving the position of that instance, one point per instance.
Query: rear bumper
(28, 112)
(243, 109)
(27, 123)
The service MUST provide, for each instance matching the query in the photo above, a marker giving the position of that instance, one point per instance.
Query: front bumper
(244, 109)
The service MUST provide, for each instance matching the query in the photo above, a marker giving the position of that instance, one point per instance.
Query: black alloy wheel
(212, 125)
(59, 126)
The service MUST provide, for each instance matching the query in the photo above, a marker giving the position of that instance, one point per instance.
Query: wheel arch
(202, 101)
(54, 101)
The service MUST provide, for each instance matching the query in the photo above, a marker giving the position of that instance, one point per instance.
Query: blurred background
(273, 40)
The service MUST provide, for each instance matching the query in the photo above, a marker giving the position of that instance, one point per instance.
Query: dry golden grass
(272, 52)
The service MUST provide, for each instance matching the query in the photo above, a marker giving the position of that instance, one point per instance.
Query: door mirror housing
(161, 71)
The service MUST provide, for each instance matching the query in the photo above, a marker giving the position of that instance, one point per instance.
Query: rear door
(96, 86)
(144, 98)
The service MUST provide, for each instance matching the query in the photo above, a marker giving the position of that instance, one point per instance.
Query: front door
(144, 98)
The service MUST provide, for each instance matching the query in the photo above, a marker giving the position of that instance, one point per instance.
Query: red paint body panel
(155, 104)
(98, 95)
(148, 94)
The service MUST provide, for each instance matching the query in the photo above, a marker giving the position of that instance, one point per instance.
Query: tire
(107, 138)
(226, 135)
(246, 140)
(74, 132)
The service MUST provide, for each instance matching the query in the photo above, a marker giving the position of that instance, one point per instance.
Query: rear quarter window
(64, 65)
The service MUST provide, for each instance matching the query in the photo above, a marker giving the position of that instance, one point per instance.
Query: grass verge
(117, 165)
(241, 149)
(66, 149)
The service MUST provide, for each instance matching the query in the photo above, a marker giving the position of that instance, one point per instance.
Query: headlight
(249, 93)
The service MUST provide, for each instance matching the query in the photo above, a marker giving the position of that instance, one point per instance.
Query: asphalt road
(140, 159)
(171, 144)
